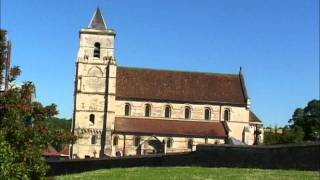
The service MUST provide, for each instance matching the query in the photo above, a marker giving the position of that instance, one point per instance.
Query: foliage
(56, 123)
(304, 126)
(288, 135)
(23, 136)
(153, 173)
(271, 137)
(308, 119)
(60, 129)
(292, 135)
(27, 137)
(24, 141)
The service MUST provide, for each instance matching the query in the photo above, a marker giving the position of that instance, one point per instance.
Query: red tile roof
(50, 151)
(136, 83)
(65, 150)
(169, 127)
(253, 118)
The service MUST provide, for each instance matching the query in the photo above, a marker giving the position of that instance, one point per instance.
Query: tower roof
(97, 21)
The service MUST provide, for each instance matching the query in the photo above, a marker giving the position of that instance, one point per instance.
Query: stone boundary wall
(299, 157)
(291, 156)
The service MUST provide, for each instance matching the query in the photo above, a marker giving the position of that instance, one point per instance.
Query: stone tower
(94, 95)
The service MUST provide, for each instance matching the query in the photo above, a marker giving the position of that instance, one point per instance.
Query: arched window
(96, 51)
(147, 111)
(127, 109)
(93, 139)
(137, 141)
(115, 140)
(169, 142)
(190, 143)
(167, 112)
(187, 113)
(226, 115)
(207, 114)
(91, 119)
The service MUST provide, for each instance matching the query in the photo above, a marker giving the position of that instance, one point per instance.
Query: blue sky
(276, 43)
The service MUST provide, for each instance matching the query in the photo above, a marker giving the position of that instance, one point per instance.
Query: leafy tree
(308, 119)
(55, 123)
(288, 135)
(271, 137)
(23, 136)
(304, 126)
(61, 130)
(292, 135)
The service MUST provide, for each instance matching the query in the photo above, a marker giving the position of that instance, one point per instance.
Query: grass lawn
(142, 173)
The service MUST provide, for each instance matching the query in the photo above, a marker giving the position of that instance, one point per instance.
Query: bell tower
(94, 92)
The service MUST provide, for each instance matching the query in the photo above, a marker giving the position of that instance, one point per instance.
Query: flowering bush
(23, 137)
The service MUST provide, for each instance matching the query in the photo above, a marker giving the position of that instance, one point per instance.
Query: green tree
(55, 123)
(292, 135)
(308, 119)
(60, 128)
(288, 135)
(23, 136)
(271, 138)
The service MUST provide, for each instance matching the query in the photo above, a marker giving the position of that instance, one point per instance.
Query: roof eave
(168, 134)
(181, 101)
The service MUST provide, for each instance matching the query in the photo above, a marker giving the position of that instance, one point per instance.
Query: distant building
(131, 111)
(273, 130)
(6, 57)
(52, 154)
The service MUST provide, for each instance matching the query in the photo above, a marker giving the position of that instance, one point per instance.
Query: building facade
(122, 111)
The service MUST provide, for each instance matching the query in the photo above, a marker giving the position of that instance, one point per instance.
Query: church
(123, 111)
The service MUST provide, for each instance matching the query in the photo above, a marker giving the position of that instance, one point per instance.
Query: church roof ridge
(97, 21)
(142, 83)
(177, 71)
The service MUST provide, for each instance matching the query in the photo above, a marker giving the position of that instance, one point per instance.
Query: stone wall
(296, 156)
(292, 156)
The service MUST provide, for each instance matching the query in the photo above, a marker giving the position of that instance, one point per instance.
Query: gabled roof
(253, 118)
(97, 21)
(50, 151)
(171, 86)
(169, 127)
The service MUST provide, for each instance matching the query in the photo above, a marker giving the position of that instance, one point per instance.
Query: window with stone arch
(91, 119)
(167, 111)
(96, 50)
(190, 143)
(127, 109)
(169, 142)
(207, 114)
(226, 115)
(93, 139)
(137, 140)
(147, 111)
(115, 140)
(187, 112)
